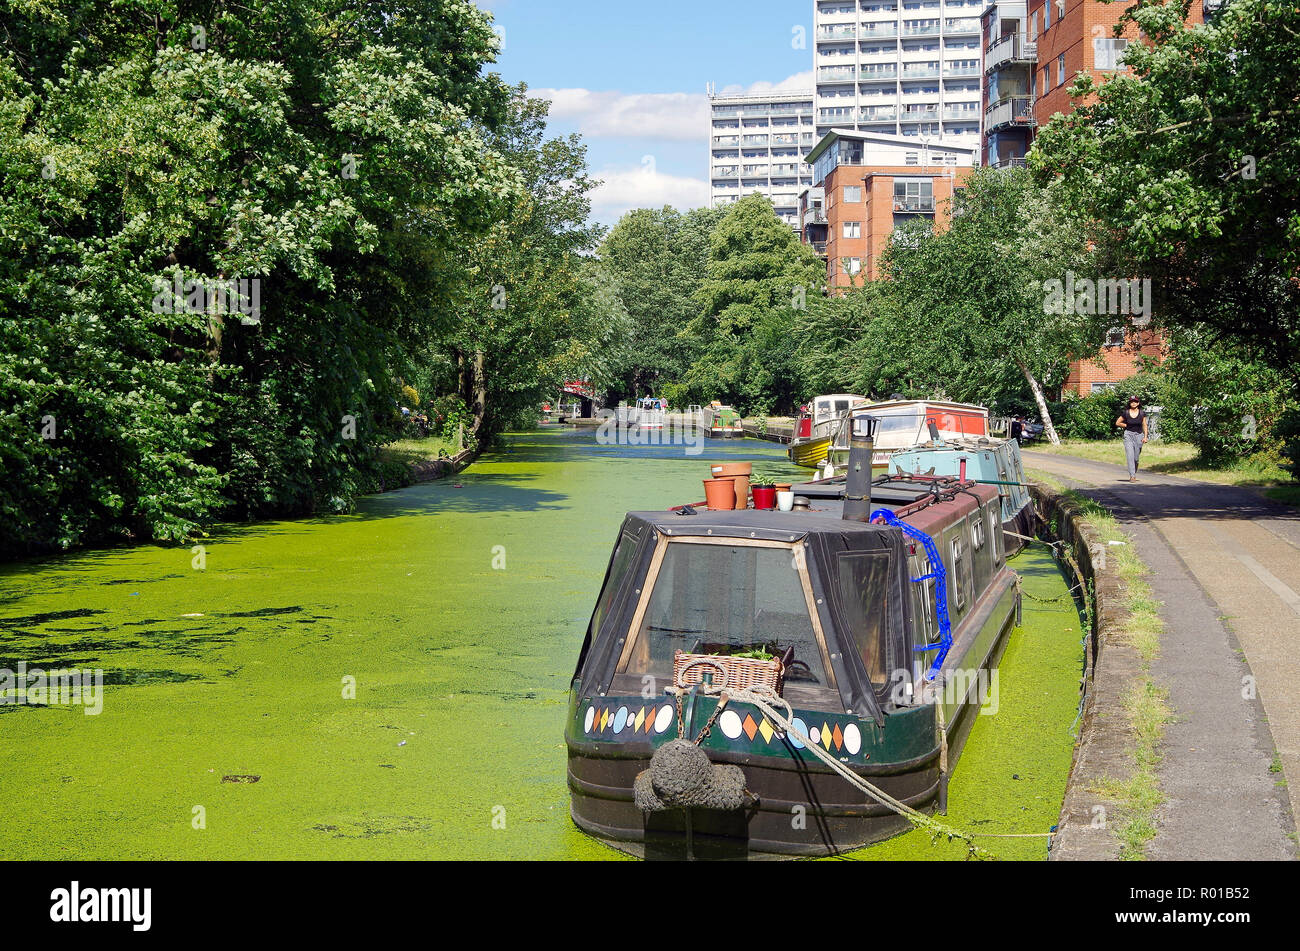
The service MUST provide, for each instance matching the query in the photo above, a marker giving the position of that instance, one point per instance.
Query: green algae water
(392, 684)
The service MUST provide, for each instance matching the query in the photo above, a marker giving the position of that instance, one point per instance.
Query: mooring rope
(762, 697)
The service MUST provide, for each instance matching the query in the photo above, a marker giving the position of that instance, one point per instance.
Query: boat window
(617, 570)
(996, 531)
(977, 531)
(719, 598)
(864, 591)
(961, 580)
(923, 599)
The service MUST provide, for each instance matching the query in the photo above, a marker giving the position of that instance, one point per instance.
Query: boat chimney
(857, 481)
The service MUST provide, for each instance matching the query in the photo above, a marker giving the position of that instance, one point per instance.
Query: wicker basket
(741, 672)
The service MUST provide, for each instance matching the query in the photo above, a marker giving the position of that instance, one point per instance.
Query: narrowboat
(874, 613)
(983, 459)
(816, 428)
(722, 422)
(902, 424)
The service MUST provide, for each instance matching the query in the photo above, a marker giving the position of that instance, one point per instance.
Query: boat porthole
(802, 728)
(852, 739)
(815, 735)
(663, 718)
(591, 715)
(729, 723)
(620, 719)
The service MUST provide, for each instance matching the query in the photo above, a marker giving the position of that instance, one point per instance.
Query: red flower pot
(764, 496)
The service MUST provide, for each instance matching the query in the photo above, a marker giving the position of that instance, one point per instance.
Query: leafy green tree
(966, 304)
(658, 259)
(1187, 167)
(332, 153)
(759, 278)
(531, 311)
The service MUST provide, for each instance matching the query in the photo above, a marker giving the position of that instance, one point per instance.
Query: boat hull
(810, 453)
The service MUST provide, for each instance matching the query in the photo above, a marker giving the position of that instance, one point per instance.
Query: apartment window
(1033, 83)
(1060, 10)
(1060, 70)
(1101, 387)
(853, 229)
(852, 193)
(1047, 15)
(1108, 53)
(1115, 337)
(912, 158)
(850, 266)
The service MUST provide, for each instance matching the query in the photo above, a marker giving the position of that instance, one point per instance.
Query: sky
(632, 77)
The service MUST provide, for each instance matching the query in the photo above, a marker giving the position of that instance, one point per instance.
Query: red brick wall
(875, 213)
(1121, 362)
(1072, 36)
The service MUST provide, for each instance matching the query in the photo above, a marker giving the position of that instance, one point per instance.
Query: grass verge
(1261, 470)
(1146, 705)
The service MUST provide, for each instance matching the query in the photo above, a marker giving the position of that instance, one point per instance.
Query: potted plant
(764, 490)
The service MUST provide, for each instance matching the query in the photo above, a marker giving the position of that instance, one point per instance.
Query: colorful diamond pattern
(749, 726)
(766, 729)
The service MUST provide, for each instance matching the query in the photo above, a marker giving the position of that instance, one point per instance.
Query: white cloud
(677, 116)
(623, 189)
(674, 115)
(799, 82)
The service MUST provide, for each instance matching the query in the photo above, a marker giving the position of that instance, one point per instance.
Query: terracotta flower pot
(764, 496)
(723, 470)
(720, 494)
(784, 486)
(742, 491)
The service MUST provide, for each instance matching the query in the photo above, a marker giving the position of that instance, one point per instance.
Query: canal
(392, 684)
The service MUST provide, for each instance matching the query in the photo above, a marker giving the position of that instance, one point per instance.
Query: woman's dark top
(1134, 425)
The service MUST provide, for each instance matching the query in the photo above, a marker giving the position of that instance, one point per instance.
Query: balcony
(1018, 161)
(819, 247)
(755, 140)
(1010, 49)
(962, 25)
(956, 112)
(885, 72)
(725, 140)
(915, 205)
(837, 33)
(884, 31)
(918, 115)
(920, 72)
(726, 171)
(785, 138)
(878, 115)
(951, 72)
(814, 216)
(832, 74)
(1016, 111)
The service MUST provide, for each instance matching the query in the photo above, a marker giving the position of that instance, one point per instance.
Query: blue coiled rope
(940, 574)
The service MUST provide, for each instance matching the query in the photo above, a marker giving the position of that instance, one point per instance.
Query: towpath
(1225, 563)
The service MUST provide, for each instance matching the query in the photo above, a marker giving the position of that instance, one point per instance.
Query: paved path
(1226, 565)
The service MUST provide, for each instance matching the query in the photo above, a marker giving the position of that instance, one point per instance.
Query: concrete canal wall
(1111, 669)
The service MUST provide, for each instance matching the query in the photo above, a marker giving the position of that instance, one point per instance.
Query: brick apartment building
(1072, 37)
(867, 184)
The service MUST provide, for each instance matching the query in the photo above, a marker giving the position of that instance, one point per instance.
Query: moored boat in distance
(902, 424)
(721, 421)
(815, 429)
(870, 616)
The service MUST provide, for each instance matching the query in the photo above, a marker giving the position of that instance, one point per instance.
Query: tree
(529, 308)
(331, 153)
(970, 301)
(658, 259)
(1186, 166)
(759, 278)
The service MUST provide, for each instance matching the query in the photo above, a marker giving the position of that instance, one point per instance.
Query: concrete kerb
(1111, 668)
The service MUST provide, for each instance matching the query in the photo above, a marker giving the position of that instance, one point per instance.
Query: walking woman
(1134, 423)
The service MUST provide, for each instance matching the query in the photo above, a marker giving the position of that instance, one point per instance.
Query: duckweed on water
(453, 612)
